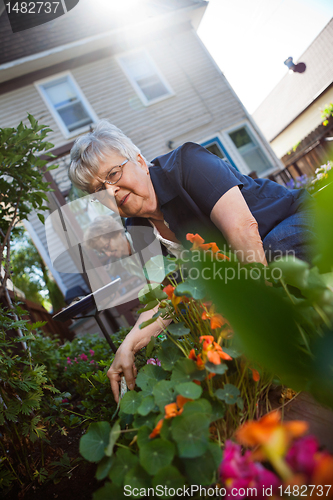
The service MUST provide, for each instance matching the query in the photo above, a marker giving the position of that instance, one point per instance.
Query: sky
(250, 40)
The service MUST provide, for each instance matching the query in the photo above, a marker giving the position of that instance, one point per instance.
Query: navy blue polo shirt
(190, 180)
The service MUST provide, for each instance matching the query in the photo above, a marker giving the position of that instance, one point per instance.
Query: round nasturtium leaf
(185, 370)
(137, 478)
(131, 402)
(143, 436)
(229, 394)
(191, 433)
(218, 369)
(201, 470)
(148, 377)
(190, 288)
(164, 393)
(189, 390)
(146, 405)
(156, 454)
(178, 329)
(93, 443)
(104, 467)
(109, 490)
(169, 477)
(201, 406)
(125, 461)
(169, 354)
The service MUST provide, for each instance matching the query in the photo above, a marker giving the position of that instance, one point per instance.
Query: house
(290, 116)
(146, 71)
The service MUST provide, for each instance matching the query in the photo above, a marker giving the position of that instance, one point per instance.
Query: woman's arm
(232, 216)
(123, 363)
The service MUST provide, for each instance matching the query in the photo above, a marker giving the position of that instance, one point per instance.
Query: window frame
(80, 95)
(257, 140)
(216, 139)
(133, 82)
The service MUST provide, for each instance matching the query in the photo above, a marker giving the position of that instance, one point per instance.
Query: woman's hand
(136, 339)
(123, 365)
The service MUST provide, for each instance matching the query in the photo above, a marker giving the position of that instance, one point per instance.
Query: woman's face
(133, 195)
(116, 247)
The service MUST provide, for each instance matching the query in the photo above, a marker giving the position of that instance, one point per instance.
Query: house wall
(302, 126)
(203, 106)
(203, 103)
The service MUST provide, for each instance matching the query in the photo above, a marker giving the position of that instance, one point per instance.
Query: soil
(80, 484)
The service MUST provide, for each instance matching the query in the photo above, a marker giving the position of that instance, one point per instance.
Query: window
(145, 77)
(250, 150)
(215, 146)
(67, 104)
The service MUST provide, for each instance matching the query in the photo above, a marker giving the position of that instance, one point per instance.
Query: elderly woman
(187, 190)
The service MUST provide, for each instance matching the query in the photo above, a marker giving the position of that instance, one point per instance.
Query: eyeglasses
(112, 177)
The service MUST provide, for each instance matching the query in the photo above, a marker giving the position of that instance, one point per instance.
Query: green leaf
(157, 268)
(190, 288)
(137, 477)
(130, 402)
(151, 292)
(191, 433)
(168, 354)
(185, 370)
(218, 409)
(218, 369)
(189, 390)
(114, 435)
(148, 376)
(146, 406)
(233, 353)
(143, 436)
(147, 323)
(178, 329)
(93, 443)
(202, 470)
(168, 477)
(125, 461)
(150, 346)
(141, 421)
(164, 393)
(109, 491)
(104, 467)
(295, 272)
(200, 406)
(229, 394)
(156, 454)
(148, 306)
(240, 403)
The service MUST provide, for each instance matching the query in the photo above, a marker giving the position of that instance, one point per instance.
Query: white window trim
(238, 157)
(136, 87)
(65, 132)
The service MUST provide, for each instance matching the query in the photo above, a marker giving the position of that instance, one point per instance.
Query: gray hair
(91, 148)
(104, 226)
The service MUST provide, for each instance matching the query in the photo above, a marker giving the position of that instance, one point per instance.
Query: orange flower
(272, 435)
(212, 350)
(169, 289)
(216, 320)
(171, 410)
(323, 472)
(195, 239)
(157, 429)
(255, 375)
(181, 401)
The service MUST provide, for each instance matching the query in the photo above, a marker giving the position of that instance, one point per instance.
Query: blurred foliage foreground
(207, 380)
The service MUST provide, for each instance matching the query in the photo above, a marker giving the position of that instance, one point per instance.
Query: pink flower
(92, 362)
(69, 362)
(84, 357)
(301, 456)
(238, 471)
(153, 361)
(65, 368)
(65, 400)
(75, 360)
(91, 352)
